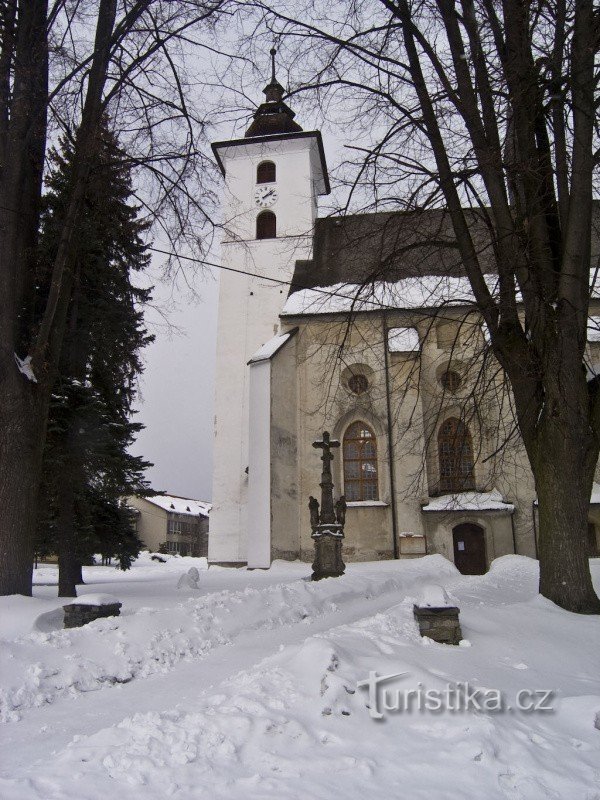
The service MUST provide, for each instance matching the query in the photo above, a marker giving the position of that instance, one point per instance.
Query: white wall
(249, 310)
(259, 479)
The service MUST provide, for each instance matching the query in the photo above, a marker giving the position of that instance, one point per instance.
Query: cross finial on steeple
(274, 90)
(273, 116)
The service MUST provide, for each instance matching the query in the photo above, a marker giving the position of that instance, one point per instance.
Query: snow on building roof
(429, 291)
(470, 501)
(270, 348)
(403, 340)
(593, 329)
(424, 292)
(180, 505)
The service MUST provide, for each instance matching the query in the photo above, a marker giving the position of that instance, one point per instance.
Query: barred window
(360, 463)
(455, 450)
(358, 384)
(451, 381)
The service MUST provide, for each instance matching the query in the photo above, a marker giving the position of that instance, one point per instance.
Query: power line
(293, 284)
(318, 289)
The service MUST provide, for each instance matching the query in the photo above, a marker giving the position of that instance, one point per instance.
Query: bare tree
(64, 65)
(491, 105)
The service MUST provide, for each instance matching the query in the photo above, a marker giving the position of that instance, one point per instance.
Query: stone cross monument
(328, 525)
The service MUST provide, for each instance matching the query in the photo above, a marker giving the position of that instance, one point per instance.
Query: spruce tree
(87, 464)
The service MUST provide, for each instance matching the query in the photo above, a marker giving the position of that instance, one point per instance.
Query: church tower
(272, 179)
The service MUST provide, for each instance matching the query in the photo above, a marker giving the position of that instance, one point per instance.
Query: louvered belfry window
(455, 450)
(266, 225)
(360, 463)
(266, 172)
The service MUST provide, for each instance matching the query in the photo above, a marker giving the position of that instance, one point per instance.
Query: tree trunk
(68, 563)
(563, 472)
(73, 362)
(22, 425)
(24, 404)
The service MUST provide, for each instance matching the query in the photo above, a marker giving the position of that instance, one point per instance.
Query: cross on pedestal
(327, 527)
(327, 507)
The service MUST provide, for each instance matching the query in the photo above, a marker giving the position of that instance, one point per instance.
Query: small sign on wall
(412, 544)
(461, 545)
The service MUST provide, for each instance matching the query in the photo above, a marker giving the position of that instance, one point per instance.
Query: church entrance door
(469, 549)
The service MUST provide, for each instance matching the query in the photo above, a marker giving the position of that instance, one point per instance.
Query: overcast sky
(177, 391)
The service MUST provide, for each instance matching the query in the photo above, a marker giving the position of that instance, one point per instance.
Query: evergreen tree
(87, 464)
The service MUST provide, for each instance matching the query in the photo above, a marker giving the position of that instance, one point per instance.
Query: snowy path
(179, 686)
(249, 690)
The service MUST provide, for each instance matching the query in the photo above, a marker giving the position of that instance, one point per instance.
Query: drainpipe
(390, 435)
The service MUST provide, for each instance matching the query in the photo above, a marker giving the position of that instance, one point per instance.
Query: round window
(451, 381)
(358, 384)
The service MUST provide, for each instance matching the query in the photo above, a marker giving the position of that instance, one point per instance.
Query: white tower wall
(249, 305)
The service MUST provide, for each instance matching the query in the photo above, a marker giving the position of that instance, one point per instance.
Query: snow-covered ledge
(367, 504)
(469, 501)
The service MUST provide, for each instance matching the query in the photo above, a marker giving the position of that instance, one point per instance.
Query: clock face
(265, 196)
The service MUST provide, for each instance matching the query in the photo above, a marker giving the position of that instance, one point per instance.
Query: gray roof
(391, 246)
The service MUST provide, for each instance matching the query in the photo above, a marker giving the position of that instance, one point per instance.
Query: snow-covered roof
(593, 329)
(180, 505)
(403, 340)
(268, 350)
(427, 291)
(470, 501)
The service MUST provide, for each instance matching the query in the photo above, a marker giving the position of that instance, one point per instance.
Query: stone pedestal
(78, 614)
(440, 624)
(328, 561)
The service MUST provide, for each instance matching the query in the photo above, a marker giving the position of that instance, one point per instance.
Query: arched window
(266, 172)
(266, 225)
(360, 463)
(456, 457)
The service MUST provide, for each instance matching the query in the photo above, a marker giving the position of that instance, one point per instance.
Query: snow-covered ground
(247, 688)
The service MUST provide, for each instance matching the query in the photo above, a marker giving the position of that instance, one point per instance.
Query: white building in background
(417, 463)
(172, 523)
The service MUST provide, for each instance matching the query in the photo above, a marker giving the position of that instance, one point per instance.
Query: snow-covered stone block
(90, 607)
(436, 617)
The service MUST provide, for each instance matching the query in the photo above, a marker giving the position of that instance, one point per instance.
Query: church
(364, 326)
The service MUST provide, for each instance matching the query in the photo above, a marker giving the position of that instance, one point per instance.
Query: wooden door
(469, 549)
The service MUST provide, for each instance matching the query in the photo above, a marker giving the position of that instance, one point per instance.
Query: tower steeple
(273, 116)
